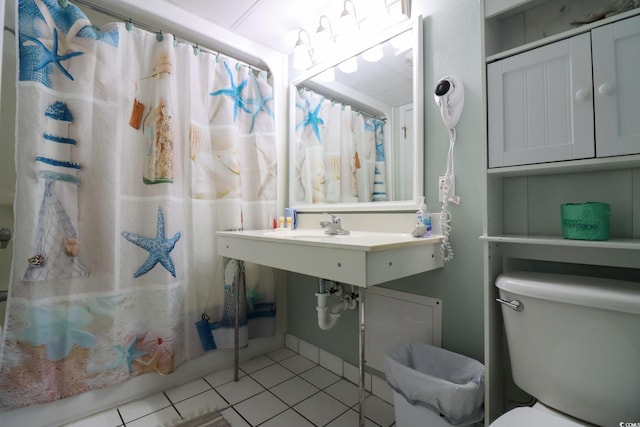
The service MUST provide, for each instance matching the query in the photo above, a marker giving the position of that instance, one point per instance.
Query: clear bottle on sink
(423, 217)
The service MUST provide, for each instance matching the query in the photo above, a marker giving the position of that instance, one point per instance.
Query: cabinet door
(616, 77)
(540, 106)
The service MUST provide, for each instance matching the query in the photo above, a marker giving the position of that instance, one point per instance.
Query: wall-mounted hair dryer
(449, 96)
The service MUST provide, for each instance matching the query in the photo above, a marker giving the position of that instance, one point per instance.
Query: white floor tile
(185, 391)
(350, 419)
(202, 403)
(244, 388)
(320, 377)
(320, 408)
(297, 364)
(140, 408)
(281, 354)
(289, 418)
(234, 418)
(272, 375)
(224, 376)
(379, 411)
(294, 390)
(256, 363)
(345, 391)
(260, 408)
(108, 418)
(163, 416)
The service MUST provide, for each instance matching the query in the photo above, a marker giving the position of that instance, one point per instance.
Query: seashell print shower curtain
(131, 152)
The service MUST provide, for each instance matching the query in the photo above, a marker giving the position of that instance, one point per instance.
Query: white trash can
(434, 387)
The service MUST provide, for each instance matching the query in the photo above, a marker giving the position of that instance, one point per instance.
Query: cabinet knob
(583, 94)
(605, 89)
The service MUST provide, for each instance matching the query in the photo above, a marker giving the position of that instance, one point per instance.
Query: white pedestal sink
(361, 258)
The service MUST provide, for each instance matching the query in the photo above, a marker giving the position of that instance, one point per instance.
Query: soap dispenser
(423, 217)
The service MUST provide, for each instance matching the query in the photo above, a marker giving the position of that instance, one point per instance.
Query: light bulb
(322, 39)
(301, 54)
(348, 23)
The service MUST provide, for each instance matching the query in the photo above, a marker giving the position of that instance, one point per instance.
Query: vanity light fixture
(399, 7)
(323, 39)
(302, 52)
(380, 14)
(348, 23)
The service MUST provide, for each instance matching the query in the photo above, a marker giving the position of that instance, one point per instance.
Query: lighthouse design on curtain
(56, 245)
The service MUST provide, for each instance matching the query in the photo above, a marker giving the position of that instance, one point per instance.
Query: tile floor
(278, 389)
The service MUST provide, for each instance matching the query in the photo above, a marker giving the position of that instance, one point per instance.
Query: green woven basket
(585, 221)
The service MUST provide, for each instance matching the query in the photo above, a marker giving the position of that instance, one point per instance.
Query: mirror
(356, 135)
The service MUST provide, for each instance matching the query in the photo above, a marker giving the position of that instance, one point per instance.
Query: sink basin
(360, 258)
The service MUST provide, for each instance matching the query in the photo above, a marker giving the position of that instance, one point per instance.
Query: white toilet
(574, 345)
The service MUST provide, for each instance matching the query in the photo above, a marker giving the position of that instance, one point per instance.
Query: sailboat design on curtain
(56, 246)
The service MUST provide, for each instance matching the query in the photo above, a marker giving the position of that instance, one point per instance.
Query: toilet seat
(534, 417)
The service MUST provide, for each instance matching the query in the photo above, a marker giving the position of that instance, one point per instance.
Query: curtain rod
(336, 100)
(152, 29)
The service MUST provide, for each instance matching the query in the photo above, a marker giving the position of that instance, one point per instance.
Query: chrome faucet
(333, 227)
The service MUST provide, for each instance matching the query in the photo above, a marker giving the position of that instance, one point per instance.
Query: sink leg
(236, 326)
(361, 361)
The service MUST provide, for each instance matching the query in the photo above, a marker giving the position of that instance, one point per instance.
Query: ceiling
(248, 17)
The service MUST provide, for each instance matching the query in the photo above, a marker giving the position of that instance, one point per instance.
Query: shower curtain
(132, 150)
(340, 153)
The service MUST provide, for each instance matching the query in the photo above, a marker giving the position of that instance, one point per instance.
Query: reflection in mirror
(356, 129)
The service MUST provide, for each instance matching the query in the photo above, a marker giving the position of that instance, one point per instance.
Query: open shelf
(614, 252)
(630, 244)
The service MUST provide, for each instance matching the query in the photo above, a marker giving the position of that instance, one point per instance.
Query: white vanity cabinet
(542, 102)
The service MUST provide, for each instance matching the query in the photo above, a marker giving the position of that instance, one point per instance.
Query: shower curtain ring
(159, 36)
(196, 50)
(128, 25)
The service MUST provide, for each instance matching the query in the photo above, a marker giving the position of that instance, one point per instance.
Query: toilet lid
(531, 417)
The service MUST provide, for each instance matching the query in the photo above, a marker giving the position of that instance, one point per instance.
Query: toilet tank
(575, 345)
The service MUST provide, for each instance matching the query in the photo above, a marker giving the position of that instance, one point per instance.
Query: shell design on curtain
(340, 154)
(131, 152)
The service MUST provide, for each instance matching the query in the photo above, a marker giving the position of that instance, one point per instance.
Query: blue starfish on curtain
(377, 127)
(260, 104)
(126, 355)
(312, 119)
(235, 92)
(159, 248)
(52, 56)
(46, 23)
